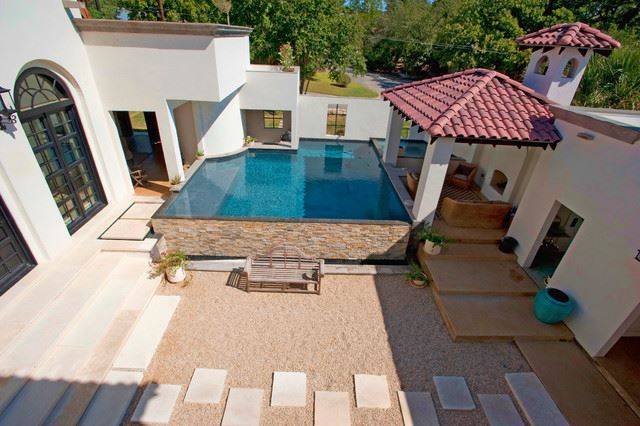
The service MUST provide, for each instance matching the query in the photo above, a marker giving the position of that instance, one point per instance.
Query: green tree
(614, 81)
(322, 33)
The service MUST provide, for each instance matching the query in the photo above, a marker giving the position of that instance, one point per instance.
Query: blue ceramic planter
(552, 305)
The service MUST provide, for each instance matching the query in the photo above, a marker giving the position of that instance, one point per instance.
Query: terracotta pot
(417, 283)
(175, 276)
(431, 249)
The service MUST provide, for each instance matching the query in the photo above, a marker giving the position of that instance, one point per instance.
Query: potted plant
(552, 305)
(173, 265)
(433, 242)
(416, 277)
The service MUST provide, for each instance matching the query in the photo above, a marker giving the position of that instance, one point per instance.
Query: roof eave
(160, 27)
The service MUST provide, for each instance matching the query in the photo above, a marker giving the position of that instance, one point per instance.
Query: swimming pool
(323, 180)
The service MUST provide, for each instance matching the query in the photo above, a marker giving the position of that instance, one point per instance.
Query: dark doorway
(50, 120)
(555, 244)
(142, 147)
(15, 258)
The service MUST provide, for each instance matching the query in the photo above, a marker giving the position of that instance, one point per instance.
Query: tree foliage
(322, 33)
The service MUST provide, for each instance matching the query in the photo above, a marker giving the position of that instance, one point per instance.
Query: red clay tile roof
(577, 34)
(476, 104)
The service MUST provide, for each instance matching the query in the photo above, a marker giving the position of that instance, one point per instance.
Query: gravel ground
(359, 324)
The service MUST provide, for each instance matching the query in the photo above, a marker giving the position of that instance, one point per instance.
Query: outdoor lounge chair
(463, 175)
(284, 269)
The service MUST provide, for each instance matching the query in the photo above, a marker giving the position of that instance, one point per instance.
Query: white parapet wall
(366, 118)
(599, 180)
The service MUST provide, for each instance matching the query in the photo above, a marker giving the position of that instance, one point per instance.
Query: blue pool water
(412, 148)
(322, 180)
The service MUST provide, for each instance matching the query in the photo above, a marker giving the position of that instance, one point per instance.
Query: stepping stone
(417, 409)
(332, 409)
(110, 403)
(372, 391)
(289, 389)
(156, 404)
(453, 393)
(141, 211)
(206, 386)
(534, 400)
(243, 407)
(500, 410)
(127, 229)
(139, 348)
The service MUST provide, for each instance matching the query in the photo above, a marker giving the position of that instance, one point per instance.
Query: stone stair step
(495, 318)
(147, 334)
(472, 277)
(144, 246)
(73, 349)
(468, 235)
(462, 251)
(112, 399)
(127, 229)
(534, 400)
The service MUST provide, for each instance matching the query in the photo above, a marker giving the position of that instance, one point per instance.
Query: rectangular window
(336, 119)
(273, 119)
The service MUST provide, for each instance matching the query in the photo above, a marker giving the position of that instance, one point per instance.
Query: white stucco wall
(219, 126)
(137, 72)
(552, 84)
(366, 118)
(600, 181)
(508, 159)
(269, 88)
(44, 36)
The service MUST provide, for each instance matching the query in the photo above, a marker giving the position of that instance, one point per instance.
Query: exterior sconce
(7, 110)
(638, 256)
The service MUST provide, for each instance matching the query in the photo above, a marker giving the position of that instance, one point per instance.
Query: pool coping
(175, 190)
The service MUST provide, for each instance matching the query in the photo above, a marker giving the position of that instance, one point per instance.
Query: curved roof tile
(476, 104)
(576, 34)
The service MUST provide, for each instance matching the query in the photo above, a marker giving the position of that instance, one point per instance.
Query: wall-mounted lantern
(7, 109)
(638, 256)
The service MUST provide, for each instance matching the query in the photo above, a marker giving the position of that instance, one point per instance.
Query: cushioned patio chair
(463, 175)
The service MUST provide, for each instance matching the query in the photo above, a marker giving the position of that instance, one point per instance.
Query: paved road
(379, 82)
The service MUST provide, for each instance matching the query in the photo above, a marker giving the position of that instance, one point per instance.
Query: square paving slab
(289, 389)
(417, 409)
(127, 229)
(110, 402)
(141, 211)
(243, 407)
(156, 404)
(372, 391)
(453, 393)
(206, 386)
(332, 409)
(534, 400)
(500, 410)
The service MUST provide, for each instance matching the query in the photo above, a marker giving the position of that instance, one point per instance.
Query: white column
(434, 170)
(394, 129)
(170, 144)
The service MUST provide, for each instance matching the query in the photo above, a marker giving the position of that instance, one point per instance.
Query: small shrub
(342, 79)
(170, 261)
(427, 234)
(286, 57)
(200, 153)
(249, 140)
(416, 274)
(176, 180)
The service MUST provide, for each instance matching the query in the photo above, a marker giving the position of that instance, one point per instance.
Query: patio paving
(500, 410)
(454, 393)
(417, 409)
(289, 389)
(360, 323)
(206, 386)
(127, 229)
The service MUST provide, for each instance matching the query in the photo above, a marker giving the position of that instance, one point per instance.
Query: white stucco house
(63, 161)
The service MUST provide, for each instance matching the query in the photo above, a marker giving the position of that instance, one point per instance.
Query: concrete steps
(54, 366)
(468, 235)
(467, 251)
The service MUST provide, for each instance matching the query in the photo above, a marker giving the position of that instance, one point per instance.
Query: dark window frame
(269, 122)
(333, 113)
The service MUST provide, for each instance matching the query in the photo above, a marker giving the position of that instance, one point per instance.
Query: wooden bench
(284, 269)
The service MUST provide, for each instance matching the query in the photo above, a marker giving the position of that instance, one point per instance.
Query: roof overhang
(160, 27)
(593, 119)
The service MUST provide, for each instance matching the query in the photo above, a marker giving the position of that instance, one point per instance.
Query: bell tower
(559, 58)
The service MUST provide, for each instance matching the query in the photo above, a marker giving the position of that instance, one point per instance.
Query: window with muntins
(336, 119)
(273, 119)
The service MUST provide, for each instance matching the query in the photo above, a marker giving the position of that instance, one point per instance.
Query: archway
(50, 119)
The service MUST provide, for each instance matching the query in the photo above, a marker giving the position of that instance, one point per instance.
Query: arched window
(499, 181)
(39, 89)
(542, 65)
(570, 68)
(50, 120)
